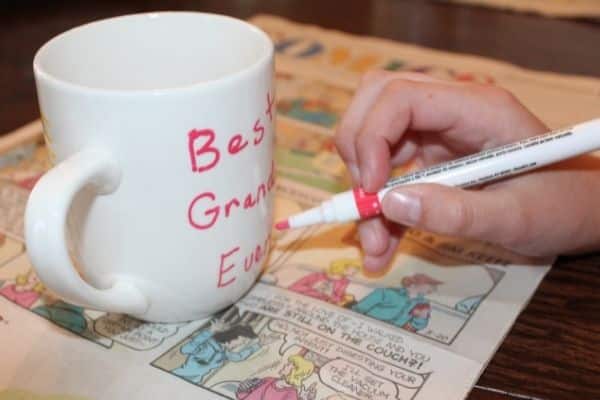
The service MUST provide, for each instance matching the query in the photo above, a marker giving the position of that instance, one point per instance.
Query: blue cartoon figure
(313, 111)
(209, 349)
(67, 315)
(405, 307)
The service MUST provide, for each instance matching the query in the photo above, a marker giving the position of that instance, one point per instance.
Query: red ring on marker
(368, 204)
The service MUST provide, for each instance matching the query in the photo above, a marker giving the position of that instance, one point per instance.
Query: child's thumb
(491, 215)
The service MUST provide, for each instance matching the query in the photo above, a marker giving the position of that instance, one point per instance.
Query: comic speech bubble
(295, 335)
(133, 333)
(354, 380)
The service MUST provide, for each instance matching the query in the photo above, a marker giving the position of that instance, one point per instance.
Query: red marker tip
(282, 225)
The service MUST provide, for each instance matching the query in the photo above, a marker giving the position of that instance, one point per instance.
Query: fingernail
(367, 239)
(402, 207)
(365, 179)
(375, 267)
(372, 264)
(371, 241)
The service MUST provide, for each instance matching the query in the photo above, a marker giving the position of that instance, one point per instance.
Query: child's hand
(398, 117)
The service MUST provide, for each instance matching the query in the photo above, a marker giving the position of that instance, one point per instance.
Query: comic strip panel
(20, 284)
(422, 292)
(253, 356)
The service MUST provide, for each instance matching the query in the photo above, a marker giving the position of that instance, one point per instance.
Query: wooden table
(553, 351)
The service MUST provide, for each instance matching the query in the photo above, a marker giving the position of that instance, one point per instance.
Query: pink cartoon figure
(288, 386)
(26, 290)
(29, 182)
(330, 285)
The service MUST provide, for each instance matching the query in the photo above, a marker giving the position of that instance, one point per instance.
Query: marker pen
(486, 166)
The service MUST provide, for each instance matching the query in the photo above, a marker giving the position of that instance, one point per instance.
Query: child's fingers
(541, 213)
(498, 216)
(404, 105)
(376, 263)
(370, 87)
(368, 91)
(374, 236)
(465, 118)
(406, 150)
(379, 241)
(379, 262)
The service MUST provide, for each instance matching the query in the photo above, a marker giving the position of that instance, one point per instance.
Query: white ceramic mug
(161, 125)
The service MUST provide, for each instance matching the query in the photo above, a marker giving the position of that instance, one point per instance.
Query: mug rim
(259, 63)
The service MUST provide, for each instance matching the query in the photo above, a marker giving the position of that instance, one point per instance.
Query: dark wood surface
(553, 350)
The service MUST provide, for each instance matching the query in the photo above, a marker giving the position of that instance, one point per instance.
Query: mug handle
(45, 234)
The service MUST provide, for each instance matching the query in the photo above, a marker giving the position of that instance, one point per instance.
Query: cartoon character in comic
(26, 290)
(312, 111)
(307, 145)
(405, 307)
(331, 285)
(67, 315)
(288, 386)
(209, 349)
(29, 182)
(71, 317)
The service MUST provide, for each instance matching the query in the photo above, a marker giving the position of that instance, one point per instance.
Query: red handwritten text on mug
(203, 213)
(206, 209)
(229, 264)
(205, 155)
